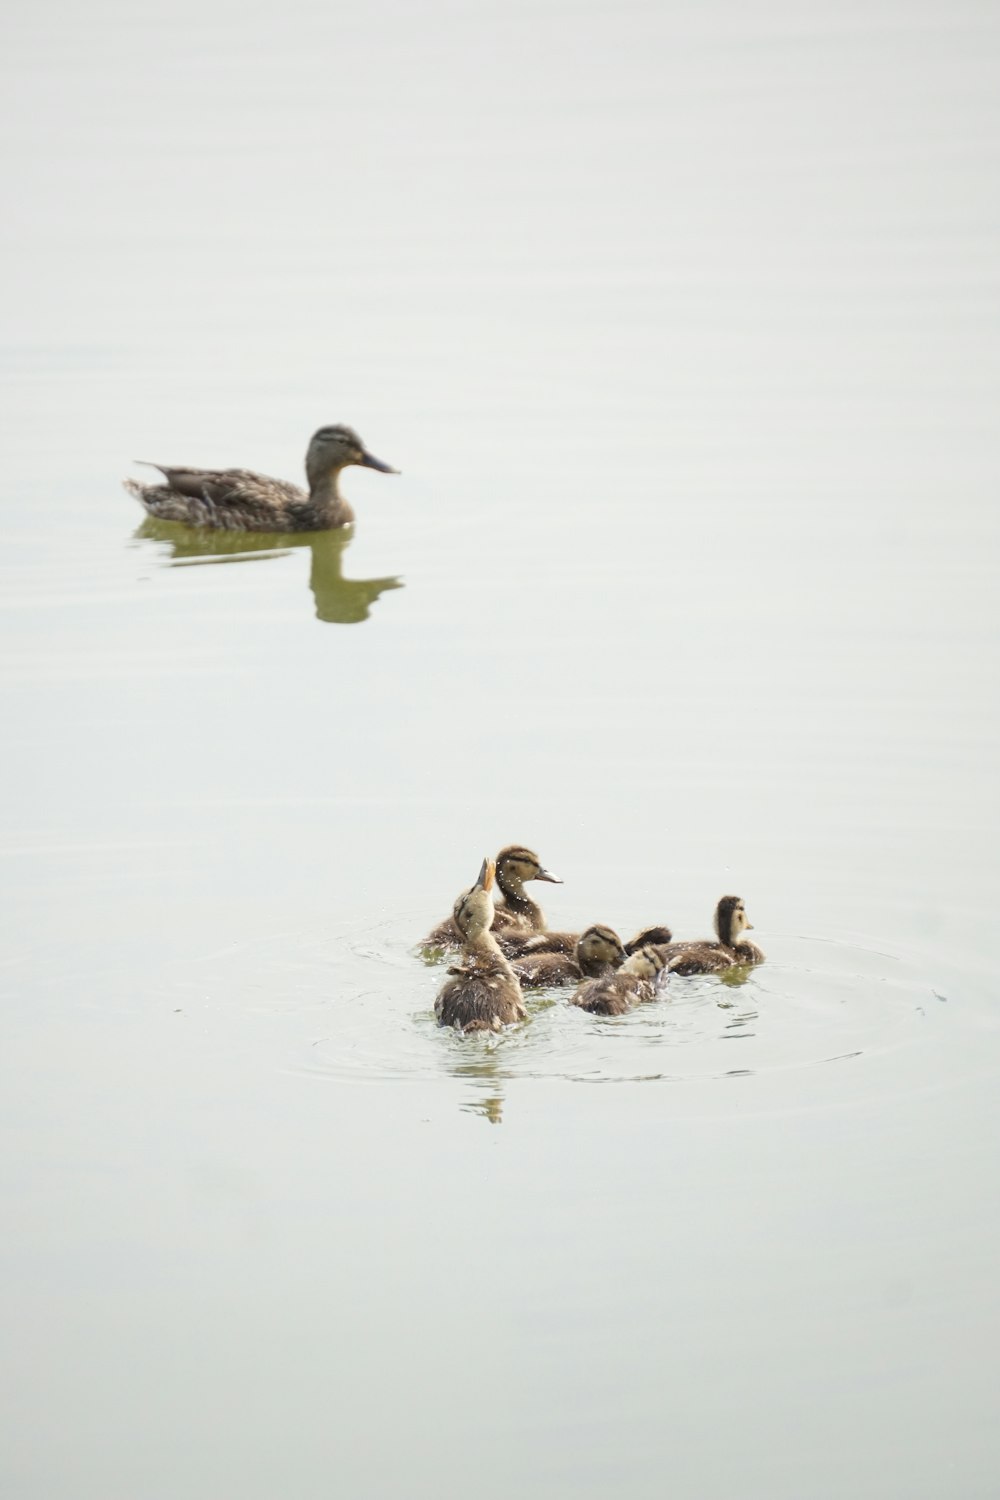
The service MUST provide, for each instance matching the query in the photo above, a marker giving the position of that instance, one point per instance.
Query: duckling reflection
(339, 600)
(489, 1106)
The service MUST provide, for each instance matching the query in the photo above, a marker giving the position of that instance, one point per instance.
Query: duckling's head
(646, 962)
(516, 864)
(333, 448)
(473, 909)
(731, 920)
(600, 945)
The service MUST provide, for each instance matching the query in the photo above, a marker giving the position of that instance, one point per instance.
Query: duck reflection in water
(486, 1097)
(339, 600)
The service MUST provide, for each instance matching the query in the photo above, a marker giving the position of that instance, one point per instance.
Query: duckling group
(507, 948)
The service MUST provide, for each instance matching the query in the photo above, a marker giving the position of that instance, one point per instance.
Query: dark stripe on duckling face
(460, 908)
(600, 942)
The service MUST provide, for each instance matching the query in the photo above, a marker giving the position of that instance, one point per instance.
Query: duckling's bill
(487, 875)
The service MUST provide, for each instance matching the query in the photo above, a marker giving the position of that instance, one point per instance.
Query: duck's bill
(548, 875)
(486, 874)
(369, 461)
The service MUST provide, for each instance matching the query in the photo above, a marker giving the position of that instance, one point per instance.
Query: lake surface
(681, 324)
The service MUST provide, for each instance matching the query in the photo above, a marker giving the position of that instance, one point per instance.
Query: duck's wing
(229, 499)
(231, 486)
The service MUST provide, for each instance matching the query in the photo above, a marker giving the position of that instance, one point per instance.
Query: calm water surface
(681, 325)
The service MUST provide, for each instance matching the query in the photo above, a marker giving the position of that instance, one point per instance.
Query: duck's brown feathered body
(240, 500)
(730, 951)
(635, 983)
(483, 993)
(599, 951)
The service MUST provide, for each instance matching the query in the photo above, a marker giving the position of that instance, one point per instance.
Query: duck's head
(473, 909)
(646, 962)
(600, 945)
(516, 864)
(333, 448)
(731, 920)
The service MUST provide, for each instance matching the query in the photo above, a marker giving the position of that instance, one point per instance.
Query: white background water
(681, 325)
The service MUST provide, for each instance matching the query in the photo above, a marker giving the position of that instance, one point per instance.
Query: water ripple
(815, 1003)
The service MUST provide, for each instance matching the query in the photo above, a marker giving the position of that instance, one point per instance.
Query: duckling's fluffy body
(515, 865)
(239, 500)
(599, 951)
(635, 983)
(729, 952)
(482, 994)
(531, 944)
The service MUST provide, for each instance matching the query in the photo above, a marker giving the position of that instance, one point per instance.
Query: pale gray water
(681, 324)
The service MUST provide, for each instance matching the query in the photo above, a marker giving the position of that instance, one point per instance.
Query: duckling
(599, 951)
(634, 984)
(483, 994)
(238, 500)
(707, 957)
(528, 944)
(514, 865)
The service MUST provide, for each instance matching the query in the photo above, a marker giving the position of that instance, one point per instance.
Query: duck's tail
(138, 490)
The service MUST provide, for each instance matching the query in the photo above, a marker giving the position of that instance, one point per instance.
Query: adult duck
(239, 500)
